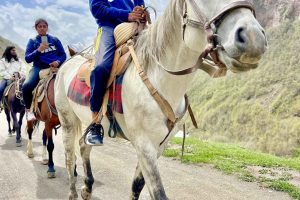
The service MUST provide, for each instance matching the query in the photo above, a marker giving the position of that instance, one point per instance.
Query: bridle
(209, 58)
(18, 81)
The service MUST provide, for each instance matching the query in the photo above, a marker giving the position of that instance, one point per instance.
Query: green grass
(283, 186)
(232, 159)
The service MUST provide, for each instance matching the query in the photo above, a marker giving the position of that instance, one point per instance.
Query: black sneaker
(94, 135)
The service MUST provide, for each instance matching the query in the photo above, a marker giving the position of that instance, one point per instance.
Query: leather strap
(161, 101)
(212, 47)
(232, 6)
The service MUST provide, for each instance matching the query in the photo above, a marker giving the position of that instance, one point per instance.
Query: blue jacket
(55, 52)
(112, 12)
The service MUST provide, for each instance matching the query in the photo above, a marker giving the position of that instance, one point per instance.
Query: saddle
(40, 92)
(122, 59)
(7, 89)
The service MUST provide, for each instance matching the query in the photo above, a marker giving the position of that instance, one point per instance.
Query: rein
(18, 91)
(209, 60)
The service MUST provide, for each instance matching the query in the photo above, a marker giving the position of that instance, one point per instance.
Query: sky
(69, 20)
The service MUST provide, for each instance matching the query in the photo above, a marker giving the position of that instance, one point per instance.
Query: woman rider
(9, 64)
(43, 55)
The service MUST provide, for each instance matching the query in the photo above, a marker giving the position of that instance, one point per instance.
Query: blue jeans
(30, 83)
(3, 84)
(104, 61)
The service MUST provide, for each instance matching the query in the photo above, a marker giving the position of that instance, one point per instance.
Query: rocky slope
(273, 12)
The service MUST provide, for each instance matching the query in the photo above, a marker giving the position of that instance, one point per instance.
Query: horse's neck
(177, 57)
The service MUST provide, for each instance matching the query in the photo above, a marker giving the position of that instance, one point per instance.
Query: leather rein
(209, 59)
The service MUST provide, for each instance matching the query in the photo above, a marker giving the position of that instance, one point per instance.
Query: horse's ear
(72, 52)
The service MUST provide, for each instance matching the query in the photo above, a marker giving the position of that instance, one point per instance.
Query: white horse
(165, 45)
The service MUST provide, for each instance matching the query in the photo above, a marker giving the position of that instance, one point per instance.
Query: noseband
(209, 58)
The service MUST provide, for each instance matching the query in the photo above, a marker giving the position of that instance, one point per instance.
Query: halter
(209, 57)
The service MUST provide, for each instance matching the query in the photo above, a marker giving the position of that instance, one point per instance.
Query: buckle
(185, 19)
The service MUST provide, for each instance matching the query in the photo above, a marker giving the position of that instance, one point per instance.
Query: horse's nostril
(239, 35)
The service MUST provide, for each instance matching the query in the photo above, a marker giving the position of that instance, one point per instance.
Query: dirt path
(113, 166)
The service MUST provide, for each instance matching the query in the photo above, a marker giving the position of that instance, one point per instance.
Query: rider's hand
(54, 64)
(43, 47)
(135, 17)
(140, 10)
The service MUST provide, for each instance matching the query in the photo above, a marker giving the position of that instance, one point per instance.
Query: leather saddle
(39, 92)
(7, 89)
(122, 58)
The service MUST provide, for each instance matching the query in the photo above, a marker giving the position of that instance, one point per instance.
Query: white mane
(159, 35)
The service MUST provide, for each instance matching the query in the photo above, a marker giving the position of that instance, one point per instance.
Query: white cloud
(16, 23)
(83, 4)
(69, 20)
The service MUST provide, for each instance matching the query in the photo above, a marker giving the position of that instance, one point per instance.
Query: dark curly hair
(7, 55)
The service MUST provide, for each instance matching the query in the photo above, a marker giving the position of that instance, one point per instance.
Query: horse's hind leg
(7, 113)
(44, 153)
(138, 184)
(86, 190)
(147, 157)
(30, 127)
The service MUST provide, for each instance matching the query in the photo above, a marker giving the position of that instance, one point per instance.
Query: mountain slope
(273, 12)
(4, 43)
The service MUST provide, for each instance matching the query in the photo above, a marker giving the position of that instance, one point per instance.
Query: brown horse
(13, 104)
(45, 111)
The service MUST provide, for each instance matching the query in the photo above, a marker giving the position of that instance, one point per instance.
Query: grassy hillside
(259, 109)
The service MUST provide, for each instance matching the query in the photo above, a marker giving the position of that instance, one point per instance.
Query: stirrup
(94, 134)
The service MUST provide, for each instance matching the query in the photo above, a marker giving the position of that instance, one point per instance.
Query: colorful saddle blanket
(79, 92)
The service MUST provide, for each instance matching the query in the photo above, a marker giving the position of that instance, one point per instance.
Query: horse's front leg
(137, 184)
(20, 122)
(21, 119)
(86, 190)
(50, 148)
(30, 127)
(17, 128)
(147, 155)
(7, 113)
(68, 134)
(44, 153)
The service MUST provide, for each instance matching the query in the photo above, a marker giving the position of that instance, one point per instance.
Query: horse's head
(231, 29)
(16, 75)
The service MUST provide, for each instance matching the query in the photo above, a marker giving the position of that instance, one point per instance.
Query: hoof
(51, 174)
(30, 155)
(19, 143)
(10, 134)
(73, 195)
(86, 194)
(45, 162)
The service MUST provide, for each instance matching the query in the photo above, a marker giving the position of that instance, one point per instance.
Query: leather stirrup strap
(161, 101)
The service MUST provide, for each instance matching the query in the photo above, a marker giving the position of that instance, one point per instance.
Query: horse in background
(183, 36)
(13, 104)
(45, 111)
